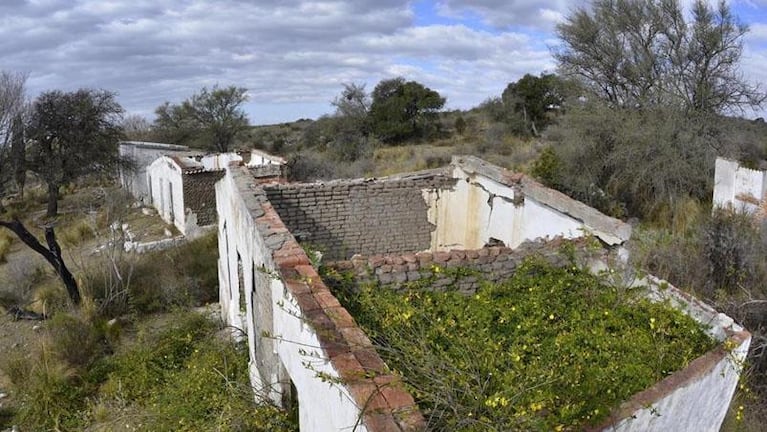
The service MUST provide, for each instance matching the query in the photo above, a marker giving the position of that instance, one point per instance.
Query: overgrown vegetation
(720, 258)
(182, 378)
(549, 349)
(131, 356)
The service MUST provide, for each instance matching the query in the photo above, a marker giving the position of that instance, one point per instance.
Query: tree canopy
(638, 53)
(72, 135)
(403, 109)
(532, 98)
(213, 117)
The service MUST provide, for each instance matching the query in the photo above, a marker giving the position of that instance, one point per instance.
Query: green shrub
(549, 348)
(74, 341)
(50, 394)
(547, 168)
(733, 246)
(185, 379)
(136, 372)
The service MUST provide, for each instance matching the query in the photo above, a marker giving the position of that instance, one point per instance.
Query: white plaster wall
(257, 157)
(167, 191)
(322, 406)
(217, 161)
(731, 181)
(698, 407)
(467, 217)
(142, 154)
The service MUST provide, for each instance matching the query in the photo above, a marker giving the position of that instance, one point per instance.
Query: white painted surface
(257, 157)
(167, 191)
(323, 406)
(218, 161)
(735, 186)
(698, 407)
(480, 209)
(142, 154)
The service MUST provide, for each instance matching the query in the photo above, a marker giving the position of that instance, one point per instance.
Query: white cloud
(292, 55)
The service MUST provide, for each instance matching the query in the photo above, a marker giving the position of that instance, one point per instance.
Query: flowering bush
(549, 349)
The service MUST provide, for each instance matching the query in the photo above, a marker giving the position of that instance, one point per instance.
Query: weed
(76, 233)
(549, 348)
(6, 241)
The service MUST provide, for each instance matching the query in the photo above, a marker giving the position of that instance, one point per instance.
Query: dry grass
(6, 241)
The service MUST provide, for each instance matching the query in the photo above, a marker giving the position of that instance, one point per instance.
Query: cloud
(292, 55)
(540, 14)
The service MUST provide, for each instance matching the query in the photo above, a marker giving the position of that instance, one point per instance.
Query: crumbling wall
(490, 205)
(200, 198)
(297, 331)
(342, 218)
(494, 264)
(738, 187)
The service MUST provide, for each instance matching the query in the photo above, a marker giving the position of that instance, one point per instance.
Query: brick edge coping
(386, 406)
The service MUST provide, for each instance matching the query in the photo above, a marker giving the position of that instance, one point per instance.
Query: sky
(294, 56)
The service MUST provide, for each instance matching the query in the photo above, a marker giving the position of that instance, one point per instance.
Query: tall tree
(403, 109)
(13, 109)
(351, 123)
(643, 53)
(533, 98)
(137, 128)
(73, 135)
(216, 114)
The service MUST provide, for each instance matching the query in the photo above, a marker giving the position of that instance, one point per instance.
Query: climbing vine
(549, 349)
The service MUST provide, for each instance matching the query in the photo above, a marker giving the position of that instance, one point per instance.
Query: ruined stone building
(142, 154)
(179, 182)
(304, 345)
(182, 191)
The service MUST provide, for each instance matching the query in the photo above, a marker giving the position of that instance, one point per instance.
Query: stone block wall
(495, 263)
(342, 218)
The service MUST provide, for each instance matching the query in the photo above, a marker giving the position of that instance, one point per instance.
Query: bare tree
(643, 53)
(137, 128)
(216, 114)
(13, 112)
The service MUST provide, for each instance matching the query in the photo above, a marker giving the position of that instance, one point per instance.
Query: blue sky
(294, 55)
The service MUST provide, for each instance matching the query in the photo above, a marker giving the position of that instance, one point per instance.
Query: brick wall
(347, 217)
(200, 195)
(493, 263)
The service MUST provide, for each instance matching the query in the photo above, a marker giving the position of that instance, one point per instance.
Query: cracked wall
(490, 206)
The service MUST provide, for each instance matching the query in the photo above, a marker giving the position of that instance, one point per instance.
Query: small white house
(181, 190)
